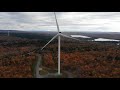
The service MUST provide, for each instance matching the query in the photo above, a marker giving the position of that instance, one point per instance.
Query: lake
(98, 39)
(104, 39)
(80, 36)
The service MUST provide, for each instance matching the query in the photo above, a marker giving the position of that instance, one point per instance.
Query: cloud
(68, 21)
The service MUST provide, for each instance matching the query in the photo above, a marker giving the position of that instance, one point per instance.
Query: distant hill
(109, 35)
(49, 34)
(42, 35)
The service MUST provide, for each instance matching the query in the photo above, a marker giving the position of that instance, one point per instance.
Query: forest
(17, 56)
(86, 59)
(83, 59)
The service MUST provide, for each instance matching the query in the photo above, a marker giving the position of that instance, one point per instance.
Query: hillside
(83, 59)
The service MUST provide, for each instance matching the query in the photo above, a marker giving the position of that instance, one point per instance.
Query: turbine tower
(8, 33)
(59, 34)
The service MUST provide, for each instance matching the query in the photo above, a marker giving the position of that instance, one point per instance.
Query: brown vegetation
(91, 61)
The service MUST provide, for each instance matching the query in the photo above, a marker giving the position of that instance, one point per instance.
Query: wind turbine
(59, 34)
(8, 33)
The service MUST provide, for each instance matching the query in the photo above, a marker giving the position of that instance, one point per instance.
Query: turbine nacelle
(59, 34)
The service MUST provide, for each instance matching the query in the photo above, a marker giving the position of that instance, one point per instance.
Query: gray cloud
(68, 21)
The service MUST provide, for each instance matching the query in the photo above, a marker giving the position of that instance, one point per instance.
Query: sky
(68, 21)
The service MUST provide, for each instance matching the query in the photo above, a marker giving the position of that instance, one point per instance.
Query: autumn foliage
(83, 59)
(91, 61)
(15, 62)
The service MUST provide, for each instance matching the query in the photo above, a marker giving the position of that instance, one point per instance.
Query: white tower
(8, 33)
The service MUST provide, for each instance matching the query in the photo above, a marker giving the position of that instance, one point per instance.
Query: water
(104, 39)
(98, 39)
(80, 36)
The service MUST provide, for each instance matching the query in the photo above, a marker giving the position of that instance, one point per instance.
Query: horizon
(56, 31)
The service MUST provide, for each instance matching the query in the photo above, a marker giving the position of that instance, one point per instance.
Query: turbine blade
(49, 41)
(69, 37)
(57, 23)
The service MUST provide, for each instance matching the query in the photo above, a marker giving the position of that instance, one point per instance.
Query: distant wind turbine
(59, 34)
(8, 33)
